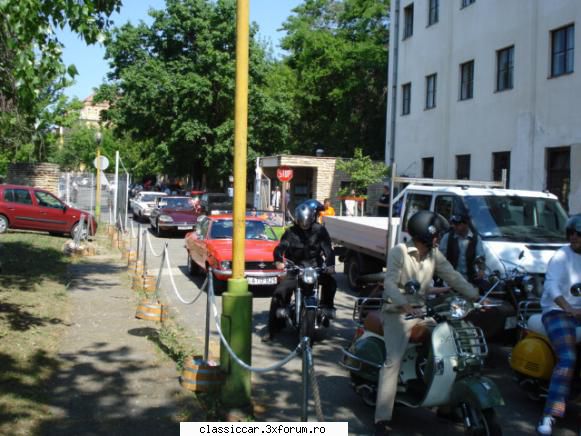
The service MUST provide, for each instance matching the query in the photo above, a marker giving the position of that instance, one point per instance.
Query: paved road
(278, 394)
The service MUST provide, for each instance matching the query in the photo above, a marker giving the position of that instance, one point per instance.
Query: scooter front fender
(480, 391)
(365, 358)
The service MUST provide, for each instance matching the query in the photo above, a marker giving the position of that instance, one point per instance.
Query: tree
(172, 87)
(33, 74)
(363, 172)
(338, 51)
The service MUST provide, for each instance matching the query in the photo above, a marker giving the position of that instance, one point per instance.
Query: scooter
(439, 368)
(303, 311)
(532, 359)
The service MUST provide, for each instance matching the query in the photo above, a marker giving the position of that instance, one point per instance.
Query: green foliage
(172, 89)
(33, 74)
(363, 172)
(338, 51)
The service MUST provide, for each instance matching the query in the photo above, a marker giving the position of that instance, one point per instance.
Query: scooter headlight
(459, 308)
(310, 276)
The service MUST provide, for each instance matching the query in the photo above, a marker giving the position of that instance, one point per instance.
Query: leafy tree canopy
(363, 171)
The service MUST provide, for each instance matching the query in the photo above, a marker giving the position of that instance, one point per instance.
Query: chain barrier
(315, 386)
(151, 246)
(133, 233)
(173, 283)
(277, 365)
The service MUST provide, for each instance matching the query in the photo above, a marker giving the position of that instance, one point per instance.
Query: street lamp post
(237, 301)
(98, 139)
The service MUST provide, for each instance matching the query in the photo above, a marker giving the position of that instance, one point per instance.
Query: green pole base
(237, 328)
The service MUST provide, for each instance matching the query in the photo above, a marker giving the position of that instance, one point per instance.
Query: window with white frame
(431, 91)
(406, 98)
(408, 21)
(504, 68)
(467, 80)
(562, 50)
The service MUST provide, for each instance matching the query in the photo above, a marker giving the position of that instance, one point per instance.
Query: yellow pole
(237, 301)
(240, 137)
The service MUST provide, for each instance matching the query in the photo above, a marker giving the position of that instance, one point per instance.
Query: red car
(211, 246)
(24, 207)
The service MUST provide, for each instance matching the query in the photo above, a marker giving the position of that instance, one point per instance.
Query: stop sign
(284, 174)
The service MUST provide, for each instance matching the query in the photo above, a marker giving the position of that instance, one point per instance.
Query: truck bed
(364, 234)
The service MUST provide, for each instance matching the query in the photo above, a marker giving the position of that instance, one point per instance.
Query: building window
(431, 91)
(433, 12)
(406, 91)
(408, 16)
(428, 167)
(467, 2)
(559, 173)
(467, 80)
(501, 161)
(562, 50)
(463, 166)
(504, 68)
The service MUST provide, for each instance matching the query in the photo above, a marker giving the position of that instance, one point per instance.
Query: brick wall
(41, 175)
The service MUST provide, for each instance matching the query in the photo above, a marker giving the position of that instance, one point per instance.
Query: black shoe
(266, 338)
(382, 428)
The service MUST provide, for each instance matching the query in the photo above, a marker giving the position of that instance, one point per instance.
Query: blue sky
(92, 68)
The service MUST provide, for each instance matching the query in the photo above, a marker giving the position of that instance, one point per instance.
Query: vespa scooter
(532, 359)
(439, 368)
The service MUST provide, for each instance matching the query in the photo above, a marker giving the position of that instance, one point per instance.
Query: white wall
(538, 113)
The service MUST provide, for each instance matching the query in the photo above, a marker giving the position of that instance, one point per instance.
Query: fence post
(209, 291)
(305, 400)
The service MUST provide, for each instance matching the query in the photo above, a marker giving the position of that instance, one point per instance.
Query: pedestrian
(328, 210)
(383, 202)
(351, 204)
(276, 198)
(561, 318)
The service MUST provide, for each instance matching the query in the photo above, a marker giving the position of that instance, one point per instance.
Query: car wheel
(219, 286)
(3, 224)
(193, 269)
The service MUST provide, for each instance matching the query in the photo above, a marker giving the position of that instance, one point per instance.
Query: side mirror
(412, 287)
(576, 290)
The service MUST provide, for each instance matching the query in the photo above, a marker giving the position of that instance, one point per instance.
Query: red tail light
(358, 333)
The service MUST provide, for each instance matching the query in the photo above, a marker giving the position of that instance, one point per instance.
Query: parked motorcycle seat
(374, 323)
(535, 324)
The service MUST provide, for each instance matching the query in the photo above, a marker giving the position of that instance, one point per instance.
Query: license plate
(510, 323)
(262, 280)
(184, 227)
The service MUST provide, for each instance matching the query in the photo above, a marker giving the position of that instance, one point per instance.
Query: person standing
(383, 202)
(561, 317)
(351, 204)
(276, 198)
(328, 210)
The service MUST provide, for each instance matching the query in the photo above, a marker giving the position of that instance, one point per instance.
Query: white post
(126, 197)
(116, 185)
(68, 189)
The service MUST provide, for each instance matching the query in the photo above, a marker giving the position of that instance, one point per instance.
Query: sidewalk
(111, 379)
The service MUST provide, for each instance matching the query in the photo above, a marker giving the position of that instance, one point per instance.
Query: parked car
(143, 204)
(217, 202)
(174, 214)
(25, 207)
(211, 246)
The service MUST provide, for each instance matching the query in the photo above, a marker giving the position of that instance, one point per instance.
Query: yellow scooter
(532, 358)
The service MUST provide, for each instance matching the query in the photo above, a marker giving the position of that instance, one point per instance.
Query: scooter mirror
(576, 290)
(412, 287)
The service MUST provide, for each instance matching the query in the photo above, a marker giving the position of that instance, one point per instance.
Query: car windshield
(176, 203)
(149, 197)
(222, 229)
(516, 218)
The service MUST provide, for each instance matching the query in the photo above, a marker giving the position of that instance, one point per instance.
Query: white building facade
(489, 84)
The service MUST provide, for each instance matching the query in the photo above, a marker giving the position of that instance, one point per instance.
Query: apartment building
(485, 85)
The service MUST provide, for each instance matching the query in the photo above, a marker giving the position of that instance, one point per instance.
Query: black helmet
(459, 218)
(305, 216)
(316, 206)
(425, 225)
(573, 225)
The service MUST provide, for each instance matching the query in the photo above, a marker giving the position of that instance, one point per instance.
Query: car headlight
(166, 219)
(309, 275)
(225, 264)
(459, 308)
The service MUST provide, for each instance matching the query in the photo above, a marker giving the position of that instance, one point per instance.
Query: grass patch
(33, 312)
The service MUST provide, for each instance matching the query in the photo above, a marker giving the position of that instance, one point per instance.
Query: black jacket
(306, 247)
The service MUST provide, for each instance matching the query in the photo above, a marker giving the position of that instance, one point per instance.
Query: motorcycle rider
(306, 243)
(417, 259)
(561, 316)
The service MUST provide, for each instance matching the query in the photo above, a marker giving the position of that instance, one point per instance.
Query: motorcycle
(303, 312)
(439, 368)
(532, 359)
